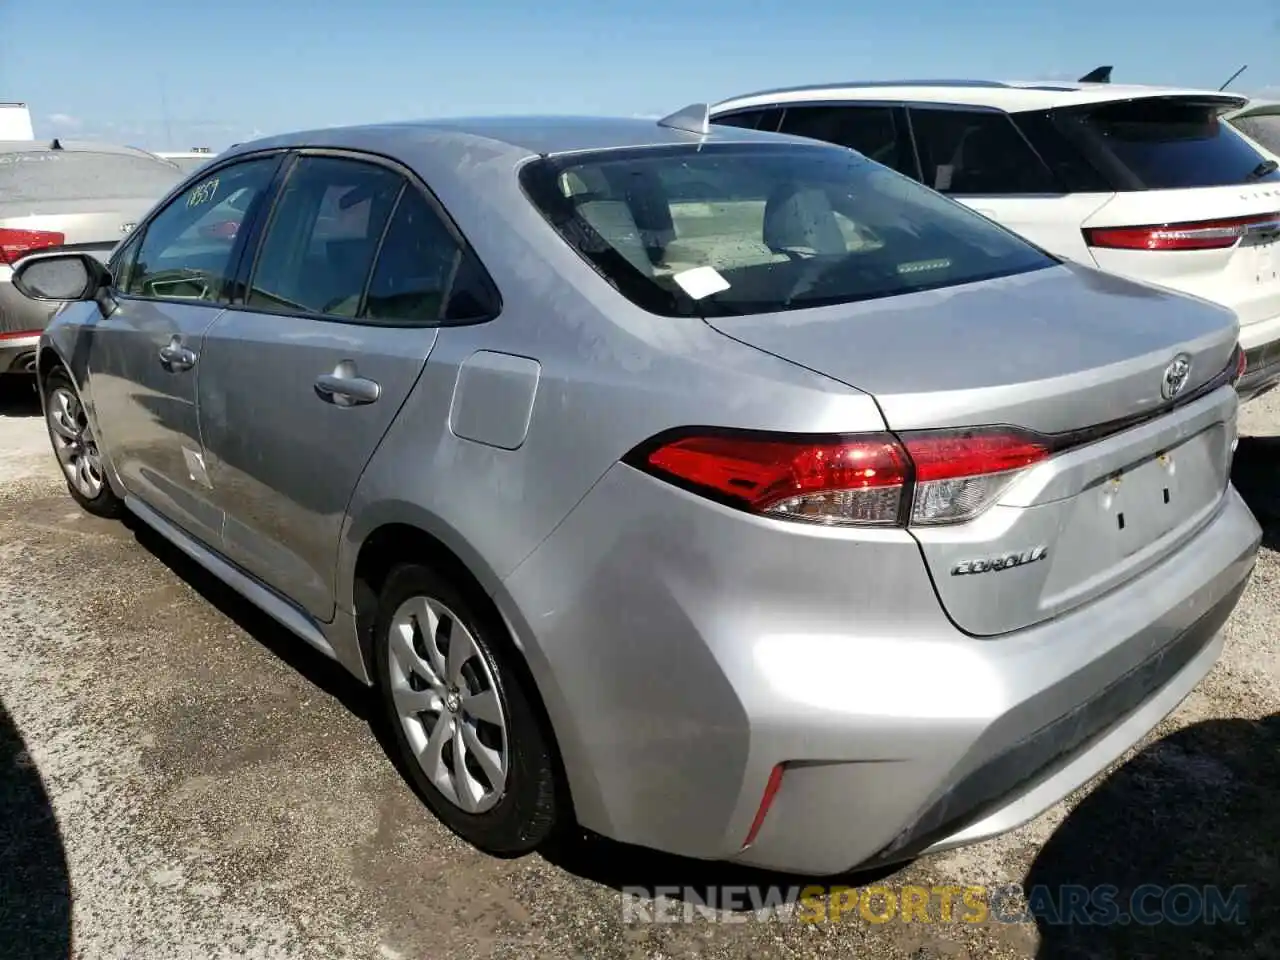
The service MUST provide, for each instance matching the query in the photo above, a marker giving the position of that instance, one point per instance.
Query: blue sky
(177, 74)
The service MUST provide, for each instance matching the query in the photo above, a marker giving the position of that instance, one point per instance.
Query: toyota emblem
(1176, 375)
(127, 227)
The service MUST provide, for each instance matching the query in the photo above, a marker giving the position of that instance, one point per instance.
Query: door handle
(345, 387)
(175, 357)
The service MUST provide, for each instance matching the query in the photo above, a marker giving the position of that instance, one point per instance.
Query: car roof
(515, 135)
(1009, 95)
(70, 146)
(1256, 108)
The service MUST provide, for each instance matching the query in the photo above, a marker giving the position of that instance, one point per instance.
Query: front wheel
(465, 727)
(76, 447)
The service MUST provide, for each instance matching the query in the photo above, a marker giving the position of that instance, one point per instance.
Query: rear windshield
(1166, 143)
(1262, 128)
(731, 229)
(35, 176)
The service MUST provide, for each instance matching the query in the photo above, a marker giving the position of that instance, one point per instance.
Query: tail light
(925, 477)
(16, 244)
(1242, 364)
(1192, 235)
(960, 474)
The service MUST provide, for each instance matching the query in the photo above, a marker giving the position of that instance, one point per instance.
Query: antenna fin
(1097, 75)
(695, 118)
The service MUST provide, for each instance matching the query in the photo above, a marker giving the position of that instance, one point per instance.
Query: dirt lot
(179, 780)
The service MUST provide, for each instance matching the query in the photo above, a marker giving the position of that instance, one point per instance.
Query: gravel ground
(179, 779)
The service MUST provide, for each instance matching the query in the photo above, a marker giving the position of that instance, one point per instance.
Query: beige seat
(611, 219)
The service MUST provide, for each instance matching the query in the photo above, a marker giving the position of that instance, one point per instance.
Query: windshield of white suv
(748, 228)
(1165, 143)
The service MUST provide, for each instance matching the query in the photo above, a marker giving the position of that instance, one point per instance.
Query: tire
(518, 811)
(76, 448)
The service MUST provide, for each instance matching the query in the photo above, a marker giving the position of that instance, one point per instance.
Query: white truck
(15, 122)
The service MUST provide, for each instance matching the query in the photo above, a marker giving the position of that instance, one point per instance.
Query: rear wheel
(76, 447)
(470, 740)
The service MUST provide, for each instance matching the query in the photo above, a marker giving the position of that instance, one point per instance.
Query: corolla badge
(1004, 561)
(1176, 375)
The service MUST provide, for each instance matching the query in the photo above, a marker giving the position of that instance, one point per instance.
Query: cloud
(65, 121)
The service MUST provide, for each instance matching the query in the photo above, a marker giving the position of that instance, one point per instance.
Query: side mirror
(60, 277)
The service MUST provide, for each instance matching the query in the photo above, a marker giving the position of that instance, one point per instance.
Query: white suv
(1141, 181)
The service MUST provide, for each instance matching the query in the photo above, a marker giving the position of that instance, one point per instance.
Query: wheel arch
(59, 349)
(416, 536)
(47, 357)
(389, 545)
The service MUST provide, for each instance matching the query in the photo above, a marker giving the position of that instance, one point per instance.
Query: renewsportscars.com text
(1067, 904)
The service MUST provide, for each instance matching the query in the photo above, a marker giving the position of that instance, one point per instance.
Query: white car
(1259, 121)
(188, 161)
(1146, 182)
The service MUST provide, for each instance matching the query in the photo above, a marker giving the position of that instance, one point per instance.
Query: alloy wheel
(74, 443)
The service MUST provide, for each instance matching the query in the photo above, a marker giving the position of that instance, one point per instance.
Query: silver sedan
(718, 491)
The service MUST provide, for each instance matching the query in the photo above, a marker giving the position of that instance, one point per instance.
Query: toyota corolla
(718, 491)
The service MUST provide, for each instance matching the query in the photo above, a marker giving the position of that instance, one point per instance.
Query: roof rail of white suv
(1008, 95)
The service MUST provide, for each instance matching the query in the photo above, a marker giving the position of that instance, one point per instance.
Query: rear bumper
(1262, 372)
(21, 322)
(685, 651)
(1120, 671)
(1261, 342)
(18, 354)
(1020, 783)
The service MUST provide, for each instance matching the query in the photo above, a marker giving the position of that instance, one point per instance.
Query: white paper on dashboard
(701, 282)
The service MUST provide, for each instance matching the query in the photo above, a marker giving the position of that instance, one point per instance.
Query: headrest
(802, 217)
(612, 219)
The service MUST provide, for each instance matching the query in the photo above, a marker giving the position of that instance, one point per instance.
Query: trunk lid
(1052, 350)
(1244, 276)
(1057, 350)
(92, 226)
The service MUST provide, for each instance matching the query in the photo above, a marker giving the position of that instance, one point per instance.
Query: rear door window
(423, 275)
(878, 133)
(1165, 143)
(1071, 167)
(766, 119)
(977, 153)
(318, 249)
(746, 119)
